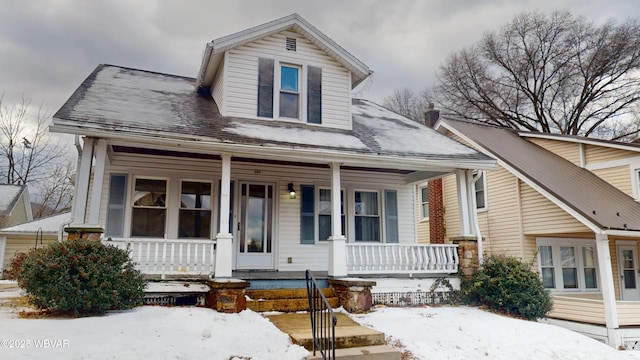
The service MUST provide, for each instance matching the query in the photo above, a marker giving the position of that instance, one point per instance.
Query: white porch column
(82, 186)
(466, 196)
(608, 291)
(224, 246)
(337, 241)
(98, 175)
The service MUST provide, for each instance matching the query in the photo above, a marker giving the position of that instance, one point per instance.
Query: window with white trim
(286, 89)
(567, 264)
(370, 215)
(149, 213)
(423, 192)
(195, 210)
(324, 213)
(367, 216)
(480, 188)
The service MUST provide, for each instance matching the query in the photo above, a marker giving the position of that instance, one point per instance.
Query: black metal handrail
(323, 320)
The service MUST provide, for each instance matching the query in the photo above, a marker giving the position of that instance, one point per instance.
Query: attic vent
(291, 44)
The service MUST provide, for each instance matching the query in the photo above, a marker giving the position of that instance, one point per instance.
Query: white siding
(240, 79)
(287, 226)
(218, 89)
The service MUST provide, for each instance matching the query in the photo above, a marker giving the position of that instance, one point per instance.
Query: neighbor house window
(480, 188)
(367, 216)
(289, 92)
(195, 210)
(567, 264)
(424, 202)
(149, 208)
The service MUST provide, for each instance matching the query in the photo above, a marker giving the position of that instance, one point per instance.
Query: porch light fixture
(292, 191)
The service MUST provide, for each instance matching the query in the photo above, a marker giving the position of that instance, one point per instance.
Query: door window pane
(424, 202)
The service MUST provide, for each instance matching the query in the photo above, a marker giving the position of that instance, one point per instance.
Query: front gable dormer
(284, 70)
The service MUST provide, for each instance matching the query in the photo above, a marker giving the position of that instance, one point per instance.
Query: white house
(265, 161)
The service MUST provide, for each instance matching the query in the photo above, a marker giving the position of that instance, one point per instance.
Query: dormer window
(295, 97)
(289, 92)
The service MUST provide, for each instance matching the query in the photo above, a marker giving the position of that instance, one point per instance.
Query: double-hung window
(285, 90)
(480, 188)
(195, 210)
(567, 264)
(289, 92)
(424, 202)
(324, 213)
(149, 213)
(367, 216)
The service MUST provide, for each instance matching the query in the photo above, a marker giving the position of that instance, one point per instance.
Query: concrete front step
(376, 352)
(285, 300)
(348, 332)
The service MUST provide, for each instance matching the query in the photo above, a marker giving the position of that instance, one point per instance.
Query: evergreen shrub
(81, 277)
(509, 286)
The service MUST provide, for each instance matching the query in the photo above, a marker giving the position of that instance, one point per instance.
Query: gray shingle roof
(143, 103)
(599, 202)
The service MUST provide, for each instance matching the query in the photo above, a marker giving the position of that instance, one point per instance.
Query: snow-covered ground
(191, 333)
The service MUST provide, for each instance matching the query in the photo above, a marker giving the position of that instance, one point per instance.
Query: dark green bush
(81, 277)
(509, 286)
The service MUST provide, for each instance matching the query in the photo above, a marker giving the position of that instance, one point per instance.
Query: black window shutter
(265, 87)
(314, 95)
(116, 206)
(391, 215)
(307, 214)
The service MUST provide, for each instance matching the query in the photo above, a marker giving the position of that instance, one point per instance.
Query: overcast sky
(47, 48)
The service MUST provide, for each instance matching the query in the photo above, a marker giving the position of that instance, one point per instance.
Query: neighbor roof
(601, 204)
(9, 196)
(121, 102)
(294, 22)
(48, 225)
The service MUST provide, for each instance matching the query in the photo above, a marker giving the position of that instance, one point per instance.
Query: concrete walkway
(348, 332)
(353, 341)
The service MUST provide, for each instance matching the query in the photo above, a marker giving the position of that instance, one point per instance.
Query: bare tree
(556, 73)
(56, 191)
(28, 154)
(407, 103)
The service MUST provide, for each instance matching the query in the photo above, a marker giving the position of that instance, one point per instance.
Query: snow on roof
(49, 224)
(9, 195)
(129, 102)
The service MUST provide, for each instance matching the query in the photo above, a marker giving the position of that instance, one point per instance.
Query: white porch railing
(402, 259)
(170, 256)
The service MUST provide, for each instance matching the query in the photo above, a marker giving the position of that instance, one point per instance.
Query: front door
(628, 271)
(255, 226)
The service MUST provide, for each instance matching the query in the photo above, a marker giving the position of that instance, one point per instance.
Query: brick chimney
(436, 203)
(431, 116)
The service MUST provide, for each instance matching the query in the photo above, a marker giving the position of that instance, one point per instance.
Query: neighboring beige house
(15, 205)
(264, 162)
(568, 205)
(29, 235)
